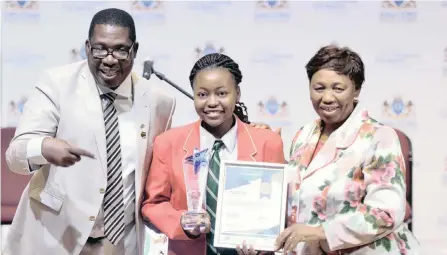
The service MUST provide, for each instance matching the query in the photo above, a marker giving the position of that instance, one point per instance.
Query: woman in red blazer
(215, 80)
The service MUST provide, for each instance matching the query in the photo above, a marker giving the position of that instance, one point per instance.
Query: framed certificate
(251, 204)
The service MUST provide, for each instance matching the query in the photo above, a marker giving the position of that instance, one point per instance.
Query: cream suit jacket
(57, 209)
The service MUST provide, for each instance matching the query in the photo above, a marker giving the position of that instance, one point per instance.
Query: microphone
(148, 67)
(148, 70)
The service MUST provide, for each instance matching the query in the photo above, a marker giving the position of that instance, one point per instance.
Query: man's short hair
(115, 17)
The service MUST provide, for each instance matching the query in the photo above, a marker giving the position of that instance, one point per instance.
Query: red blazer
(165, 188)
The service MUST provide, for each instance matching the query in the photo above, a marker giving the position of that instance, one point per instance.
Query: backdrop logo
(147, 5)
(332, 5)
(21, 5)
(21, 11)
(399, 113)
(15, 110)
(274, 112)
(151, 11)
(209, 48)
(78, 54)
(17, 106)
(398, 108)
(273, 10)
(398, 11)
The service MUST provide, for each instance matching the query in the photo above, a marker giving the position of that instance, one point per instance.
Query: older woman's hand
(291, 236)
(248, 250)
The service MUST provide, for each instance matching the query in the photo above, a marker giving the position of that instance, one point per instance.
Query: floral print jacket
(353, 186)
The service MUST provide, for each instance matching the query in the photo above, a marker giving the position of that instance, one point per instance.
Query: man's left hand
(291, 236)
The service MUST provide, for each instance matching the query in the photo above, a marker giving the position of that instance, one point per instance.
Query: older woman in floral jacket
(348, 192)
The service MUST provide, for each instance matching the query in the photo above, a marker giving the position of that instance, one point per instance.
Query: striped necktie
(212, 186)
(113, 198)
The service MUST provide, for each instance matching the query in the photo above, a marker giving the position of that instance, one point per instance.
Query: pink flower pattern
(401, 245)
(384, 174)
(340, 190)
(383, 217)
(354, 192)
(320, 207)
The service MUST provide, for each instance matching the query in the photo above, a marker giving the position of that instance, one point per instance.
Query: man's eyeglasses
(119, 54)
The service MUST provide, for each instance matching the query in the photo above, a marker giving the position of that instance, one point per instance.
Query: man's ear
(135, 49)
(87, 48)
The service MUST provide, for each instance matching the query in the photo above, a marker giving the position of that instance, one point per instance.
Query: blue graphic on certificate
(251, 206)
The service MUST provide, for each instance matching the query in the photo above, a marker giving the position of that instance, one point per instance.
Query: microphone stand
(163, 78)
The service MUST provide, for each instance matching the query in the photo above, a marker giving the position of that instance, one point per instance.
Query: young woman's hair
(217, 60)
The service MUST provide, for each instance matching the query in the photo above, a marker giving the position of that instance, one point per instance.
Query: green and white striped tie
(212, 186)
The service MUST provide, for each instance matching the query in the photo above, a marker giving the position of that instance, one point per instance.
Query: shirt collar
(229, 139)
(123, 90)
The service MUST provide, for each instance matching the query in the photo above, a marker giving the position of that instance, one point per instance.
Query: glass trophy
(195, 170)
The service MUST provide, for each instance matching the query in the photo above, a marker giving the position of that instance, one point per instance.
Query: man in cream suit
(86, 136)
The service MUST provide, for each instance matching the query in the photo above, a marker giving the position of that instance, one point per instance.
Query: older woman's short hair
(343, 61)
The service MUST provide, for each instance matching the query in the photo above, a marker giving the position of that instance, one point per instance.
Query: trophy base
(192, 220)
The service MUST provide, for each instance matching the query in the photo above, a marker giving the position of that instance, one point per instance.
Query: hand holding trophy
(196, 220)
(196, 223)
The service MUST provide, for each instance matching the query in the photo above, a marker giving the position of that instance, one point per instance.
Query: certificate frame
(259, 241)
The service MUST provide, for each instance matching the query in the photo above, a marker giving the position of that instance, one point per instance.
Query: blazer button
(92, 218)
(102, 191)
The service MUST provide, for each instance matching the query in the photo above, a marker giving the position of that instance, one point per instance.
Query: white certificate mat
(251, 204)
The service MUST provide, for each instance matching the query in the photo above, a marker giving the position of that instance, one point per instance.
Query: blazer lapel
(302, 156)
(325, 156)
(339, 140)
(245, 145)
(192, 142)
(92, 105)
(142, 116)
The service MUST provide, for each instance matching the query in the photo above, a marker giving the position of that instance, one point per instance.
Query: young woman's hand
(202, 223)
